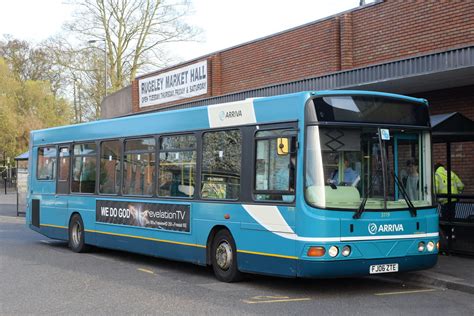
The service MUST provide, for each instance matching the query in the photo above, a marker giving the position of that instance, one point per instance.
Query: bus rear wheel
(76, 234)
(224, 257)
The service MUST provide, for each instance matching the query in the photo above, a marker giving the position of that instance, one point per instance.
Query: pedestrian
(441, 186)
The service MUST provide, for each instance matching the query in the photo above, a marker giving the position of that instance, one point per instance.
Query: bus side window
(84, 168)
(46, 168)
(177, 167)
(109, 167)
(221, 165)
(139, 166)
(274, 167)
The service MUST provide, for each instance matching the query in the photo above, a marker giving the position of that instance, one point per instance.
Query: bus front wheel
(224, 257)
(76, 234)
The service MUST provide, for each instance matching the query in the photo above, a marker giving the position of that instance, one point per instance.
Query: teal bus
(314, 184)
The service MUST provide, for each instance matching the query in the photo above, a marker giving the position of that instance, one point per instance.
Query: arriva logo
(230, 114)
(386, 228)
(221, 115)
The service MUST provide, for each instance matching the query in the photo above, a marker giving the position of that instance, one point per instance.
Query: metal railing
(457, 223)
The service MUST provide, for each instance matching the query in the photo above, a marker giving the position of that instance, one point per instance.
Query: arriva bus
(311, 184)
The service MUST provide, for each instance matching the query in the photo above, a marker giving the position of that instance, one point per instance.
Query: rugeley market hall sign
(181, 83)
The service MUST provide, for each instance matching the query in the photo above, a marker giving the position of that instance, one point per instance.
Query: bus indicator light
(316, 251)
(421, 246)
(227, 216)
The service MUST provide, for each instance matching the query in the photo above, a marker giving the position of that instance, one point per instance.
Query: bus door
(62, 184)
(43, 190)
(64, 161)
(273, 173)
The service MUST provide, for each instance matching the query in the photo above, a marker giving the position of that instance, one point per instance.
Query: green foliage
(26, 105)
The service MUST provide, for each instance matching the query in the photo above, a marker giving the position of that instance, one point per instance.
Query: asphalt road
(41, 276)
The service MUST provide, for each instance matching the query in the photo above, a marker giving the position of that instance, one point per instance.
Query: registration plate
(383, 268)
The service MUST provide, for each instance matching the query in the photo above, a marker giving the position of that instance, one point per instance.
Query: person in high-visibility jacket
(441, 183)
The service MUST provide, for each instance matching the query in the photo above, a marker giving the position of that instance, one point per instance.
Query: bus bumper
(360, 267)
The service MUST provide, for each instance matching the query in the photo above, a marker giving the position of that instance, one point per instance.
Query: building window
(177, 166)
(139, 166)
(220, 176)
(109, 167)
(46, 163)
(274, 169)
(84, 168)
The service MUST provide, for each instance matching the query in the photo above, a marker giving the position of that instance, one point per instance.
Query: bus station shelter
(21, 182)
(457, 218)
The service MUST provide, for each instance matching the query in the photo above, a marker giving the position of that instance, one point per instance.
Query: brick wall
(381, 32)
(304, 52)
(451, 100)
(397, 29)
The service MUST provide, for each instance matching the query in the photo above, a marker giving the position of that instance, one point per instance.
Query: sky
(225, 23)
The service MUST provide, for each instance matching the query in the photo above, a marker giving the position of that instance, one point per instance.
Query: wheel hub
(224, 255)
(76, 234)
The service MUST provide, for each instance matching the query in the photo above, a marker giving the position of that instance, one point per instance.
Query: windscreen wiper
(361, 208)
(402, 189)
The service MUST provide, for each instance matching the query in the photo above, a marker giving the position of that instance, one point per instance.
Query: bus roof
(288, 107)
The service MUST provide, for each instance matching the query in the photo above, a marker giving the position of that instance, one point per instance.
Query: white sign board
(181, 83)
(385, 133)
(231, 114)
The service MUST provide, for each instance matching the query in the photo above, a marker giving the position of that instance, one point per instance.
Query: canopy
(451, 127)
(23, 156)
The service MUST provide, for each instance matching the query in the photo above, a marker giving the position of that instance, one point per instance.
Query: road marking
(100, 257)
(274, 299)
(45, 242)
(405, 292)
(146, 271)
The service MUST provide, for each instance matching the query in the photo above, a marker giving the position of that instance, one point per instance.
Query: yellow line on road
(146, 271)
(278, 300)
(405, 292)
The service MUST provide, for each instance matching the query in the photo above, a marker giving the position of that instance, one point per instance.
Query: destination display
(181, 83)
(174, 217)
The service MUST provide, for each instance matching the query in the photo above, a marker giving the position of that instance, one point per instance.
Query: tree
(8, 116)
(82, 72)
(31, 63)
(133, 31)
(26, 105)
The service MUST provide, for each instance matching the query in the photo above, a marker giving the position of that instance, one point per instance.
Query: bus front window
(345, 165)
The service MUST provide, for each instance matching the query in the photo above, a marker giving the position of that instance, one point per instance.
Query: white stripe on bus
(270, 218)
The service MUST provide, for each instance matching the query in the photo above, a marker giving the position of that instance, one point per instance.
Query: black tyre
(443, 242)
(224, 257)
(76, 234)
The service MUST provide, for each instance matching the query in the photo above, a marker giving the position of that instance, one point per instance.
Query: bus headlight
(421, 246)
(333, 251)
(346, 250)
(430, 246)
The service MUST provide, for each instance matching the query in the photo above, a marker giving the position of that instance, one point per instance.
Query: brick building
(418, 48)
